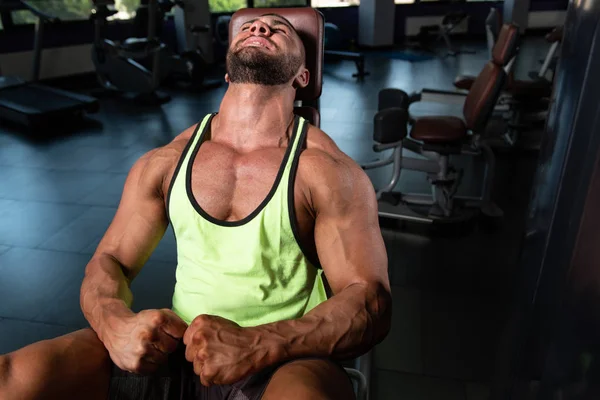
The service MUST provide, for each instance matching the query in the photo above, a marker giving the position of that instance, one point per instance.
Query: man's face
(266, 51)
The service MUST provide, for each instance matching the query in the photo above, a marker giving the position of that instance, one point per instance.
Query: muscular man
(268, 213)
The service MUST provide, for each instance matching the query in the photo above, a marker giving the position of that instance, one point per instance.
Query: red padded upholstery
(309, 24)
(464, 82)
(310, 114)
(439, 130)
(483, 96)
(506, 45)
(503, 51)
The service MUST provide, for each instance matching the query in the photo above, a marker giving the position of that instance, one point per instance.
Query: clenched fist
(143, 341)
(223, 352)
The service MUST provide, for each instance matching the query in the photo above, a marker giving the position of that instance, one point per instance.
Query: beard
(253, 65)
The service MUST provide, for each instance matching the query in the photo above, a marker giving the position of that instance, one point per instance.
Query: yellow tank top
(251, 271)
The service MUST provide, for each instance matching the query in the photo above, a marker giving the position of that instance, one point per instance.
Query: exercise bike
(118, 66)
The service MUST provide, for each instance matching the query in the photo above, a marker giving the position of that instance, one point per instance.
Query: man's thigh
(313, 379)
(73, 366)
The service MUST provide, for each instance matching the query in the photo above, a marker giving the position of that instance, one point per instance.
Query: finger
(205, 381)
(153, 356)
(187, 336)
(165, 343)
(175, 326)
(198, 365)
(190, 352)
(146, 364)
(207, 375)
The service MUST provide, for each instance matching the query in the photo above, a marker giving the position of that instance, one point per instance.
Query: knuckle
(198, 368)
(201, 320)
(141, 349)
(157, 318)
(145, 335)
(200, 336)
(203, 354)
(208, 374)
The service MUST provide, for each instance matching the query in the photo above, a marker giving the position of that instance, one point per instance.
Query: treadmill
(30, 103)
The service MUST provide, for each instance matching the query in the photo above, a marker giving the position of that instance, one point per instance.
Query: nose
(259, 28)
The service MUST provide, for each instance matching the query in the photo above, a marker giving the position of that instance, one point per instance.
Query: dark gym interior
(495, 284)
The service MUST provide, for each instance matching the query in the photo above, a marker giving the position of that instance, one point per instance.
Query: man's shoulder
(154, 167)
(324, 163)
(173, 150)
(334, 181)
(320, 147)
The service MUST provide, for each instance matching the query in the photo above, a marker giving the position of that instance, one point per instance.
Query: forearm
(105, 294)
(345, 326)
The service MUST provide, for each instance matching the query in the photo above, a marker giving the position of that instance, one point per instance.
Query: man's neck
(254, 116)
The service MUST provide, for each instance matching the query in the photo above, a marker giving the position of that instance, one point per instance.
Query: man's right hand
(142, 342)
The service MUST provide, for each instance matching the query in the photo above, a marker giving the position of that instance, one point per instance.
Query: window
(70, 10)
(280, 3)
(225, 6)
(63, 9)
(126, 9)
(334, 3)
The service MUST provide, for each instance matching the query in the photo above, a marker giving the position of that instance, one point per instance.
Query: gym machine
(442, 206)
(540, 85)
(436, 139)
(30, 103)
(554, 38)
(118, 66)
(334, 51)
(523, 103)
(433, 33)
(189, 63)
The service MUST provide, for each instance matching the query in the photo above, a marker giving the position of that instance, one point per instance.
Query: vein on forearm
(105, 290)
(343, 327)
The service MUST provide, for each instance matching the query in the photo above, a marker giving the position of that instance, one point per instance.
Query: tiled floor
(450, 293)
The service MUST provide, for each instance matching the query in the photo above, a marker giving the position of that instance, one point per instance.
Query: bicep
(347, 234)
(140, 221)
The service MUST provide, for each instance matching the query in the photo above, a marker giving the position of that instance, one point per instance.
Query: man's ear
(227, 78)
(302, 79)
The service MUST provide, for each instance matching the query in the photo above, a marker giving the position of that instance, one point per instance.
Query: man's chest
(229, 185)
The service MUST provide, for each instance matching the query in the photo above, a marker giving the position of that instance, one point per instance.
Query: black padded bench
(358, 58)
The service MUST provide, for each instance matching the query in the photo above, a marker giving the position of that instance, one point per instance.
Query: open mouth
(257, 42)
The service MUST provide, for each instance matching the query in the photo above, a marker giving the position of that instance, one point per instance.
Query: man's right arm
(136, 342)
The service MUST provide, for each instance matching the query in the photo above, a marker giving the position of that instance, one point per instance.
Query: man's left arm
(354, 260)
(357, 317)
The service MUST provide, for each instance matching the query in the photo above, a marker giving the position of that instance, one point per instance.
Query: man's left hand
(222, 352)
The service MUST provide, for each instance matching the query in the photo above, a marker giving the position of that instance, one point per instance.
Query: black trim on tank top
(291, 200)
(262, 205)
(180, 163)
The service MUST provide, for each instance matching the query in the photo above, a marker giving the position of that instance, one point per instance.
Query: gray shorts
(176, 380)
